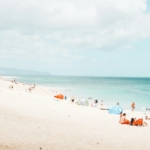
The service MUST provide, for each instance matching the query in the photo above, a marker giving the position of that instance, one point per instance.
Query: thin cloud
(49, 27)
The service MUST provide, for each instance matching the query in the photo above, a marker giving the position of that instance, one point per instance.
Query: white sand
(34, 121)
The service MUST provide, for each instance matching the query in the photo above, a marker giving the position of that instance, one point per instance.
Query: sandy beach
(35, 121)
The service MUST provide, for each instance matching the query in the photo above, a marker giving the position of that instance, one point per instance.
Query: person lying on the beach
(90, 98)
(137, 122)
(147, 118)
(28, 89)
(123, 119)
(13, 81)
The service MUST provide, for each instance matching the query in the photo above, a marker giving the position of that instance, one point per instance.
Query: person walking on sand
(133, 106)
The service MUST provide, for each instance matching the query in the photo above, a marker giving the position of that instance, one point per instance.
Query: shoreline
(63, 91)
(44, 123)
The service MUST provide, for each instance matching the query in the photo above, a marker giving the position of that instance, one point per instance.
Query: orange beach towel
(138, 122)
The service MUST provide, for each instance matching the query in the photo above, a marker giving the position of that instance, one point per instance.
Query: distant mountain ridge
(13, 71)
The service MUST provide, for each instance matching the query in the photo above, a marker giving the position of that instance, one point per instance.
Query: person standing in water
(133, 106)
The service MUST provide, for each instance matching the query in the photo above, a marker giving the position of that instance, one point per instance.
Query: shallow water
(124, 90)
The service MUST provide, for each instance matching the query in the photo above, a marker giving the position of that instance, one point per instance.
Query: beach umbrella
(115, 109)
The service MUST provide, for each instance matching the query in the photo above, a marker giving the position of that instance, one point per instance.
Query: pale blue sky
(148, 5)
(98, 38)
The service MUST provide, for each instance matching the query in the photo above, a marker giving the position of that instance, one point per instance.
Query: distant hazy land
(12, 71)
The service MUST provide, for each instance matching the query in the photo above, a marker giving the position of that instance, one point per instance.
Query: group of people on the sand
(31, 88)
(14, 81)
(11, 87)
(95, 103)
(68, 90)
(134, 121)
(54, 91)
(123, 119)
(28, 89)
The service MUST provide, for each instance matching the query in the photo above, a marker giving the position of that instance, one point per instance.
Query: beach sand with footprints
(35, 121)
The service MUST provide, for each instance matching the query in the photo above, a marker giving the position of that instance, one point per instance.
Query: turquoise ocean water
(124, 90)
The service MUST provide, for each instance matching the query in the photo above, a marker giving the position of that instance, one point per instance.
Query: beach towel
(126, 122)
(138, 122)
